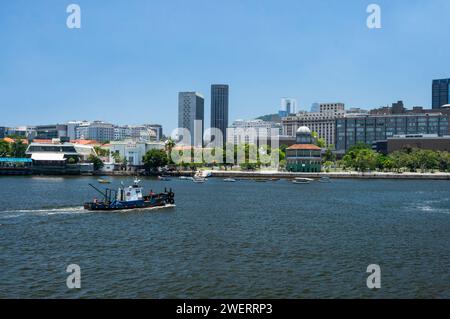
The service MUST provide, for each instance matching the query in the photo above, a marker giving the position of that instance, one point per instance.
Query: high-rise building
(191, 115)
(219, 110)
(322, 122)
(288, 105)
(441, 93)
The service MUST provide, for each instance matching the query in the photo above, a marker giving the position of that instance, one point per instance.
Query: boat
(325, 179)
(197, 179)
(185, 178)
(229, 180)
(164, 178)
(103, 181)
(301, 180)
(131, 197)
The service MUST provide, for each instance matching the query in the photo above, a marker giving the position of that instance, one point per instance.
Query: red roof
(311, 147)
(85, 142)
(11, 140)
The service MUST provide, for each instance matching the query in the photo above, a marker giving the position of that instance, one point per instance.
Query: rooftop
(311, 147)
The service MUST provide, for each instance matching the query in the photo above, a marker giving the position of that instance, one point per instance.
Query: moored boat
(229, 180)
(131, 197)
(301, 180)
(103, 181)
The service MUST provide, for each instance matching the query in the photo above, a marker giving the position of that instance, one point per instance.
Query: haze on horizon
(129, 60)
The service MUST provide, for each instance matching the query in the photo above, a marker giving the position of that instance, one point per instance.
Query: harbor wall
(341, 175)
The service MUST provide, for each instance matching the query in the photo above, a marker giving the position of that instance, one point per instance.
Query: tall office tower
(219, 110)
(288, 105)
(191, 115)
(441, 93)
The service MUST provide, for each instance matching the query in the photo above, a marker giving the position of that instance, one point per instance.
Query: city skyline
(53, 74)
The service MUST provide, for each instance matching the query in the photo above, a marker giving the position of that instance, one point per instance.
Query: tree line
(362, 158)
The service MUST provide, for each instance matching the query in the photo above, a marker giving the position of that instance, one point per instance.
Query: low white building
(133, 151)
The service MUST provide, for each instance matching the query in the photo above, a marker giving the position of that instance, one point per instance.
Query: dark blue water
(241, 240)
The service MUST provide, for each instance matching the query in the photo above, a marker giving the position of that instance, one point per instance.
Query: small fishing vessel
(131, 197)
(103, 181)
(229, 180)
(301, 180)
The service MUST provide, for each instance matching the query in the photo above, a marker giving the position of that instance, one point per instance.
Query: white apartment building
(322, 122)
(97, 130)
(134, 151)
(250, 131)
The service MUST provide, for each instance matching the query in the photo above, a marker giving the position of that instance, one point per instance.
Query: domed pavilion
(304, 156)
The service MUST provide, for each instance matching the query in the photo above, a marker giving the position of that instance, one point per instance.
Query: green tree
(98, 164)
(155, 159)
(361, 158)
(101, 151)
(329, 156)
(18, 149)
(5, 148)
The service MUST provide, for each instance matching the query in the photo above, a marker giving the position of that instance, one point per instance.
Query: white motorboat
(302, 180)
(229, 180)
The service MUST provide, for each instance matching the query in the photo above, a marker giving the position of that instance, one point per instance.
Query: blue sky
(130, 58)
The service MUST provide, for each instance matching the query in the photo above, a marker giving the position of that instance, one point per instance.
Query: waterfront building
(432, 142)
(252, 131)
(51, 131)
(219, 110)
(440, 93)
(370, 128)
(60, 158)
(15, 166)
(96, 130)
(133, 151)
(304, 156)
(191, 107)
(322, 122)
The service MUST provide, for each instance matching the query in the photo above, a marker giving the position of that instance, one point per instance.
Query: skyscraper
(219, 110)
(191, 109)
(288, 105)
(441, 93)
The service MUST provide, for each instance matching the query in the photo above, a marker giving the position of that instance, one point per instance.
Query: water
(228, 240)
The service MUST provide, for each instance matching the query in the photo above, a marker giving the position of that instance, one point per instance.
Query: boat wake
(43, 212)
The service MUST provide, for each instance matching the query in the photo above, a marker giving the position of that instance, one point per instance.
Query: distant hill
(270, 118)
